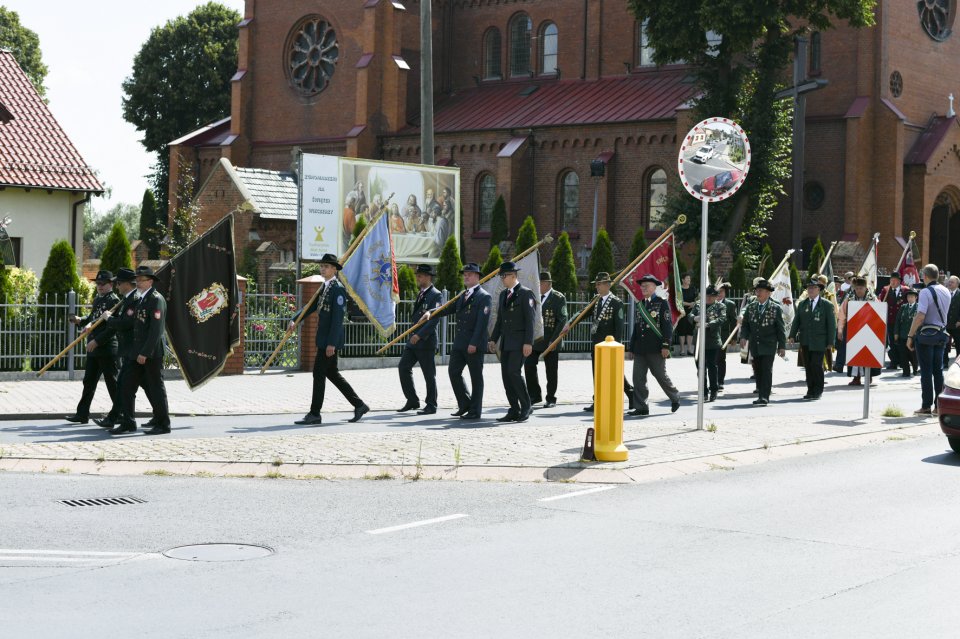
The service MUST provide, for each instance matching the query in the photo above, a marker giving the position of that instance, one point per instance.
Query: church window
(896, 84)
(491, 54)
(549, 38)
(813, 195)
(644, 50)
(816, 55)
(312, 55)
(570, 200)
(520, 28)
(936, 18)
(486, 198)
(657, 199)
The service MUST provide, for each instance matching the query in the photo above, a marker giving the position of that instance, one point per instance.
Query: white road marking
(91, 553)
(8, 555)
(589, 491)
(415, 524)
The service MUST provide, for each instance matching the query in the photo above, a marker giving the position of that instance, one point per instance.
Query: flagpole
(83, 334)
(681, 219)
(783, 263)
(826, 257)
(903, 256)
(516, 258)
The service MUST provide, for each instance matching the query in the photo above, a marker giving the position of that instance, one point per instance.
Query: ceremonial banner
(869, 267)
(529, 276)
(907, 267)
(783, 293)
(661, 262)
(200, 286)
(370, 276)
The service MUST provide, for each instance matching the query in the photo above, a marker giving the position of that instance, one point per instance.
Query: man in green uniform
(762, 327)
(715, 317)
(730, 323)
(122, 324)
(608, 315)
(513, 333)
(901, 330)
(649, 346)
(101, 349)
(553, 307)
(815, 328)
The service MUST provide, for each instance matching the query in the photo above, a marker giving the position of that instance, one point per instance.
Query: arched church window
(520, 28)
(570, 200)
(491, 54)
(656, 199)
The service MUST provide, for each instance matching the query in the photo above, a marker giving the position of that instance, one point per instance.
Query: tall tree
(150, 230)
(498, 222)
(639, 244)
(601, 257)
(116, 254)
(449, 276)
(180, 81)
(526, 236)
(494, 260)
(25, 46)
(563, 268)
(738, 55)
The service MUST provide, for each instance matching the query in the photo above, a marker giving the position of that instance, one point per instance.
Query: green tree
(639, 244)
(526, 236)
(766, 266)
(181, 80)
(150, 231)
(738, 75)
(563, 268)
(494, 260)
(498, 222)
(116, 254)
(25, 47)
(407, 281)
(98, 225)
(60, 272)
(795, 282)
(449, 276)
(601, 257)
(816, 256)
(738, 274)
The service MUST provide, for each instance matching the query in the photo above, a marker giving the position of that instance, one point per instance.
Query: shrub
(563, 269)
(407, 281)
(448, 271)
(639, 243)
(526, 236)
(766, 262)
(816, 256)
(116, 253)
(498, 222)
(494, 260)
(601, 257)
(738, 274)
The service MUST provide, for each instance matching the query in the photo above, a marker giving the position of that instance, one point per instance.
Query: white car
(703, 154)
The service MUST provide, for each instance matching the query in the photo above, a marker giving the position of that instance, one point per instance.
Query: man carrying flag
(422, 345)
(650, 346)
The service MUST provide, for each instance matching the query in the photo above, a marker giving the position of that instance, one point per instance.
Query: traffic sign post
(866, 339)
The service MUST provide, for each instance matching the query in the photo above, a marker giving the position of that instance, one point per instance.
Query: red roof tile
(34, 150)
(509, 105)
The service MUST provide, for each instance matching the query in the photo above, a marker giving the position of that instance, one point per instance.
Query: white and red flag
(661, 262)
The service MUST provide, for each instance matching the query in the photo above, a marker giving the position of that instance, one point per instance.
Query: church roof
(930, 139)
(507, 105)
(212, 134)
(273, 194)
(34, 150)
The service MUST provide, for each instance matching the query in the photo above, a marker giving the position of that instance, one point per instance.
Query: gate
(267, 316)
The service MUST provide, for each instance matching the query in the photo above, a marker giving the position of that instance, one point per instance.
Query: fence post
(71, 311)
(445, 295)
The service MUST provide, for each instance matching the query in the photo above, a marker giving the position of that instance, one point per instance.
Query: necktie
(509, 294)
(543, 298)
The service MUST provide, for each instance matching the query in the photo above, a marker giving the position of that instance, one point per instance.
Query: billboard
(419, 200)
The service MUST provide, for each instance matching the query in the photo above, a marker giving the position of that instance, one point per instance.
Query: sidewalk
(547, 448)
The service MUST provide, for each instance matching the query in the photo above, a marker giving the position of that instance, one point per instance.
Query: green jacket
(766, 331)
(731, 320)
(554, 311)
(815, 329)
(901, 326)
(716, 321)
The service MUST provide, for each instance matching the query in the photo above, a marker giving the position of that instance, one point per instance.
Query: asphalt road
(859, 543)
(840, 402)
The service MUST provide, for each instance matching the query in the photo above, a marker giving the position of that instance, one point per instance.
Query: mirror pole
(702, 324)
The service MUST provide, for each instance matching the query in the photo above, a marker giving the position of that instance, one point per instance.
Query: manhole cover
(218, 552)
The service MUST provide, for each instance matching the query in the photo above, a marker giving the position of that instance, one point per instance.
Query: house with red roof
(44, 181)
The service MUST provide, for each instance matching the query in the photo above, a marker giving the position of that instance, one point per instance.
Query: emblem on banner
(207, 303)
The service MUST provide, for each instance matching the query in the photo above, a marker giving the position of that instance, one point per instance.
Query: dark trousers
(813, 364)
(97, 365)
(467, 400)
(764, 370)
(931, 372)
(955, 338)
(711, 381)
(894, 349)
(511, 371)
(721, 365)
(627, 386)
(908, 358)
(551, 361)
(149, 376)
(117, 415)
(325, 368)
(424, 357)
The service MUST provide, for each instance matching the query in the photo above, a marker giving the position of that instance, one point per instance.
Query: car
(703, 154)
(948, 405)
(720, 183)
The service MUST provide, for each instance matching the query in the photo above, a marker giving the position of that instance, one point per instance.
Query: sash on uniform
(645, 314)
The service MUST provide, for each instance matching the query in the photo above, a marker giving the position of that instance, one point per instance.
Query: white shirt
(544, 296)
(813, 302)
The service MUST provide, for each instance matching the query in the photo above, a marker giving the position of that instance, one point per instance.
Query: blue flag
(370, 276)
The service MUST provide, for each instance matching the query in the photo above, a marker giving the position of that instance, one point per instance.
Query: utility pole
(426, 82)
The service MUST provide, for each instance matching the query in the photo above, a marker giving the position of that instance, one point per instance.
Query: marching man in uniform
(422, 345)
(815, 328)
(513, 332)
(715, 317)
(101, 349)
(901, 330)
(730, 323)
(330, 306)
(649, 346)
(607, 320)
(553, 307)
(122, 325)
(762, 327)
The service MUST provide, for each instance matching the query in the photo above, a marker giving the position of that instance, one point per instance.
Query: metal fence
(267, 315)
(32, 334)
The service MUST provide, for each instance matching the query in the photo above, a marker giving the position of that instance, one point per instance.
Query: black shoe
(309, 419)
(643, 411)
(509, 417)
(427, 410)
(522, 417)
(720, 387)
(549, 404)
(104, 422)
(536, 401)
(119, 429)
(808, 396)
(764, 402)
(76, 419)
(905, 375)
(159, 430)
(758, 402)
(815, 397)
(674, 406)
(713, 396)
(409, 406)
(460, 413)
(361, 410)
(470, 415)
(589, 408)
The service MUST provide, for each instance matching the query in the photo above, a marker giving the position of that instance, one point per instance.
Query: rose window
(936, 18)
(312, 55)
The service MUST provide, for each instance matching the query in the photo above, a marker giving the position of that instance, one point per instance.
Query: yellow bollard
(608, 400)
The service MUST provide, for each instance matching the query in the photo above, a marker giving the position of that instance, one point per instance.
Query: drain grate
(103, 501)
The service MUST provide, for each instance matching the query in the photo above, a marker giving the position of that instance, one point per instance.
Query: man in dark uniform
(145, 358)
(608, 316)
(894, 294)
(763, 328)
(815, 328)
(730, 323)
(329, 306)
(714, 314)
(649, 346)
(469, 343)
(553, 307)
(901, 330)
(422, 345)
(101, 349)
(513, 332)
(122, 324)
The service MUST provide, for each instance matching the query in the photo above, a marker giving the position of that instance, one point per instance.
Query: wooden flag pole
(773, 275)
(826, 257)
(516, 258)
(913, 234)
(681, 219)
(76, 341)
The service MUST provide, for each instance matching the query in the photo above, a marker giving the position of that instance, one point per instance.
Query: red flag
(909, 274)
(661, 262)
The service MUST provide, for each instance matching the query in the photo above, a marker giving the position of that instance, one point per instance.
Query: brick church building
(528, 93)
